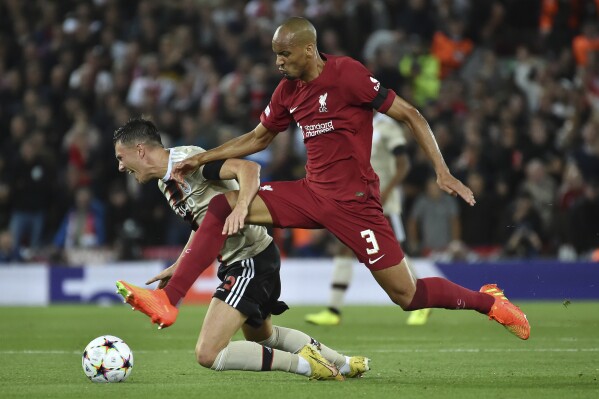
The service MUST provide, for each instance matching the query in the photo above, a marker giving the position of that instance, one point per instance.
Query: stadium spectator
(150, 89)
(434, 221)
(560, 21)
(523, 228)
(485, 19)
(583, 219)
(415, 18)
(589, 76)
(586, 155)
(572, 187)
(421, 69)
(32, 177)
(119, 209)
(81, 145)
(84, 224)
(5, 191)
(8, 252)
(451, 48)
(479, 223)
(542, 190)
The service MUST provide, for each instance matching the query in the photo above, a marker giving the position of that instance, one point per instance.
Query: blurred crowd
(509, 87)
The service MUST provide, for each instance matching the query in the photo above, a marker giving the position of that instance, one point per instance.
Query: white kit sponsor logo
(316, 129)
(292, 110)
(267, 187)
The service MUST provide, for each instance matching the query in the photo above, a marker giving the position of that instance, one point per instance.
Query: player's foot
(418, 317)
(321, 368)
(506, 313)
(358, 365)
(153, 303)
(324, 318)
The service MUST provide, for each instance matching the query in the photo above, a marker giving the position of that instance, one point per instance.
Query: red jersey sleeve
(363, 88)
(275, 116)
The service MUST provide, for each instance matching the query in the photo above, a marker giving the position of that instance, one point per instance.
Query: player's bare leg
(435, 292)
(215, 350)
(398, 282)
(258, 212)
(220, 324)
(417, 317)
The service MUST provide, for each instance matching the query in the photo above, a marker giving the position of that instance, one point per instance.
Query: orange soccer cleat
(506, 313)
(153, 303)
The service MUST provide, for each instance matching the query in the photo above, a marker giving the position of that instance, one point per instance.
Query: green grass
(458, 354)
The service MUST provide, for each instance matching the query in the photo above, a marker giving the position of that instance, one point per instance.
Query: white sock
(248, 356)
(303, 367)
(291, 340)
(345, 368)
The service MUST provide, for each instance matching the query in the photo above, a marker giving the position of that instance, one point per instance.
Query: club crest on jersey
(185, 187)
(322, 100)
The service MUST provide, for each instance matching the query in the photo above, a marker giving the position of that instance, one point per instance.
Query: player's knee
(402, 297)
(205, 356)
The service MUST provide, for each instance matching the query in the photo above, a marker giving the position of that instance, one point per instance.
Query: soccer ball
(107, 359)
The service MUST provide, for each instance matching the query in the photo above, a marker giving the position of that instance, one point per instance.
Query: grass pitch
(458, 354)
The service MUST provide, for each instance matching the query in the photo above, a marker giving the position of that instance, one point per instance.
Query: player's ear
(310, 50)
(141, 150)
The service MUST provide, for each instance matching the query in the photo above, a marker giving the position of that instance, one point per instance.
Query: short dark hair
(137, 129)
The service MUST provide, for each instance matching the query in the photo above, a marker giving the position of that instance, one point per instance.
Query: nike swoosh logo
(292, 109)
(373, 261)
(332, 369)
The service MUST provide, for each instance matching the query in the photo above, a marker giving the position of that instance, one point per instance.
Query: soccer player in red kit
(331, 99)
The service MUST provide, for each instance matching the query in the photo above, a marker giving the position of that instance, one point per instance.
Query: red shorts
(359, 225)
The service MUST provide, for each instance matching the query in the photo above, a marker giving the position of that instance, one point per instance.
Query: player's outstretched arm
(165, 275)
(249, 143)
(402, 111)
(247, 173)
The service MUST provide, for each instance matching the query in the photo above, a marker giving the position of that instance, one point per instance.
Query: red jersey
(334, 114)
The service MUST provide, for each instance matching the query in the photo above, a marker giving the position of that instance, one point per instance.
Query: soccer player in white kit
(249, 265)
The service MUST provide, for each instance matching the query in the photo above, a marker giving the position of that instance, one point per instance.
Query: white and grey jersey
(190, 201)
(386, 136)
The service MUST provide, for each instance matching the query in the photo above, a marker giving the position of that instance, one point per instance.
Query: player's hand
(185, 167)
(453, 186)
(236, 220)
(164, 276)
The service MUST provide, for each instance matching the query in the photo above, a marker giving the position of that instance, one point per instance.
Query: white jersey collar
(169, 168)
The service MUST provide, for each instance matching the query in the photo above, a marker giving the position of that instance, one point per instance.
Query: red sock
(201, 252)
(436, 292)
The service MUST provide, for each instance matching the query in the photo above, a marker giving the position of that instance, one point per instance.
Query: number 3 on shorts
(371, 239)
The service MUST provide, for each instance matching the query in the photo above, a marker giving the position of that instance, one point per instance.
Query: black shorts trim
(253, 286)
